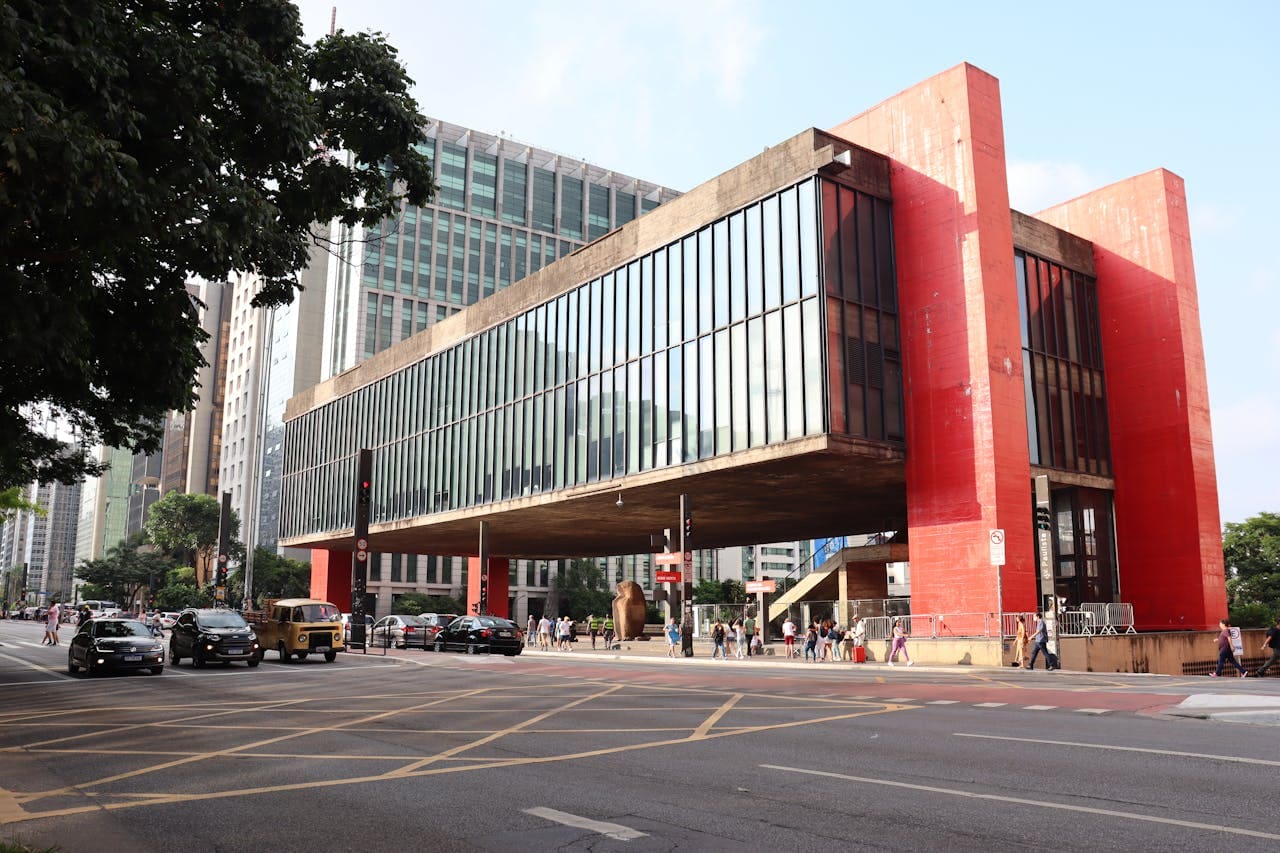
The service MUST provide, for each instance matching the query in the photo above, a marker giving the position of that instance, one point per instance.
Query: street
(456, 752)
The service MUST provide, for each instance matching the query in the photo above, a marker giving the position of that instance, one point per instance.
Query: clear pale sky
(678, 92)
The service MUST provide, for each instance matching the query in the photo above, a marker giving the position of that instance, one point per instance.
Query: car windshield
(439, 620)
(121, 629)
(415, 621)
(222, 619)
(319, 613)
(495, 622)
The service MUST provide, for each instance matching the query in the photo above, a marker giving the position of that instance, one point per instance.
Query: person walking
(1041, 644)
(51, 623)
(544, 633)
(789, 637)
(608, 632)
(1020, 643)
(563, 632)
(739, 640)
(531, 632)
(673, 638)
(899, 643)
(594, 624)
(751, 634)
(1272, 644)
(717, 639)
(1225, 651)
(811, 643)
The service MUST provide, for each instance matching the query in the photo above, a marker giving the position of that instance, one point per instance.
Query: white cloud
(1036, 185)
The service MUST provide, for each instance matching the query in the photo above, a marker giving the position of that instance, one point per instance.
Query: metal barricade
(1075, 623)
(1121, 616)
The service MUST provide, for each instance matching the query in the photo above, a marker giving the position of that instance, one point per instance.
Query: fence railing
(1110, 619)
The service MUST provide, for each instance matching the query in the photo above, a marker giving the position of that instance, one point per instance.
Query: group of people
(1039, 641)
(741, 636)
(828, 640)
(1228, 653)
(560, 634)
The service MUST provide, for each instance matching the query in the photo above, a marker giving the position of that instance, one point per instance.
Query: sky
(1092, 93)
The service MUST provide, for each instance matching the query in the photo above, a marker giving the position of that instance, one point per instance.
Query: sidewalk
(1229, 708)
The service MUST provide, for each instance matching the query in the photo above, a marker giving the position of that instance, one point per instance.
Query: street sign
(220, 593)
(997, 547)
(761, 586)
(222, 558)
(668, 577)
(672, 559)
(362, 555)
(362, 544)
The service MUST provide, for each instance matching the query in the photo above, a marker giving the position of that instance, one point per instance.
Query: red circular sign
(360, 555)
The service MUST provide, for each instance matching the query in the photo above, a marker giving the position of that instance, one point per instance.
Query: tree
(275, 576)
(12, 502)
(185, 527)
(125, 570)
(707, 591)
(1251, 552)
(142, 144)
(583, 590)
(418, 602)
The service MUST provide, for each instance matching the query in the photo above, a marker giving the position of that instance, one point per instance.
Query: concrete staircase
(850, 573)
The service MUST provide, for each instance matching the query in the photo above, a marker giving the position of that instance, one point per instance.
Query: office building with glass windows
(851, 333)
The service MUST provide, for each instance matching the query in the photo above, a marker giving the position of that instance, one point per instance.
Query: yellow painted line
(10, 810)
(701, 731)
(495, 735)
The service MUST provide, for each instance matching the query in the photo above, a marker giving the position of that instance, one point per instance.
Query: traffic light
(484, 593)
(1043, 520)
(364, 492)
(688, 528)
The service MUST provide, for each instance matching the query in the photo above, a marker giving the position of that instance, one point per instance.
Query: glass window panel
(606, 424)
(723, 391)
(571, 207)
(885, 267)
(775, 386)
(675, 293)
(737, 249)
(515, 180)
(593, 429)
(625, 208)
(675, 406)
(660, 315)
(720, 272)
(867, 254)
(644, 413)
(582, 438)
(544, 200)
(756, 381)
(754, 262)
(771, 231)
(815, 398)
(689, 251)
(790, 239)
(707, 393)
(793, 375)
(634, 292)
(621, 300)
(809, 239)
(484, 184)
(620, 397)
(738, 387)
(645, 299)
(608, 317)
(690, 401)
(595, 326)
(537, 425)
(706, 286)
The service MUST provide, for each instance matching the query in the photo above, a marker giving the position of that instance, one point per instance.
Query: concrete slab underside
(810, 487)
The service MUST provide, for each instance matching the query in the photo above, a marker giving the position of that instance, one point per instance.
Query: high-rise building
(44, 542)
(104, 505)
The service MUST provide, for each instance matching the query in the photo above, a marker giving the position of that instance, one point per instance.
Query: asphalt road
(454, 752)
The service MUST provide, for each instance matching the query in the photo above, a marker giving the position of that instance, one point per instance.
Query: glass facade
(1062, 367)
(711, 344)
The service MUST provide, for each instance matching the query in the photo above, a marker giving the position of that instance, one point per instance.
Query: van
(298, 627)
(99, 609)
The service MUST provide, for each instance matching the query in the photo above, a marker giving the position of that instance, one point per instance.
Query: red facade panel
(499, 575)
(1166, 500)
(331, 577)
(968, 469)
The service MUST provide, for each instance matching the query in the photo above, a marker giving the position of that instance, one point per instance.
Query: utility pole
(224, 551)
(360, 562)
(686, 560)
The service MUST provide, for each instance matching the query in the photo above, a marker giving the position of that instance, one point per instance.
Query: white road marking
(613, 830)
(1236, 759)
(990, 705)
(899, 701)
(1038, 707)
(1040, 804)
(944, 702)
(1093, 710)
(37, 667)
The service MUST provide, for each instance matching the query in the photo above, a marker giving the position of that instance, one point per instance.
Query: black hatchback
(212, 635)
(103, 644)
(475, 634)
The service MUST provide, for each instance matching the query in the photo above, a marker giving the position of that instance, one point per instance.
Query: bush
(1252, 614)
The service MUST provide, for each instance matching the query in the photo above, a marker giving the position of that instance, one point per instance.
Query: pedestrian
(1271, 644)
(811, 642)
(739, 640)
(899, 643)
(1041, 644)
(1020, 643)
(717, 638)
(594, 624)
(608, 632)
(1225, 651)
(751, 634)
(673, 638)
(157, 627)
(51, 623)
(789, 637)
(562, 633)
(544, 633)
(531, 632)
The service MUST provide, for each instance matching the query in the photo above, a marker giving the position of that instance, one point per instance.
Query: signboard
(761, 586)
(668, 577)
(667, 559)
(220, 593)
(997, 547)
(1237, 643)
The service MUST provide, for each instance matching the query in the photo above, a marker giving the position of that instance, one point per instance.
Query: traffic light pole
(1044, 542)
(686, 560)
(482, 603)
(224, 551)
(360, 561)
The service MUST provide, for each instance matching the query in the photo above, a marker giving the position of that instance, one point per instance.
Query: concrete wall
(1167, 653)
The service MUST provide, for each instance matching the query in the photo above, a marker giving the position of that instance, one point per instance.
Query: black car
(475, 634)
(103, 644)
(205, 635)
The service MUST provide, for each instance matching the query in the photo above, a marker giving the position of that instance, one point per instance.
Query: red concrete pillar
(968, 464)
(498, 572)
(1168, 532)
(331, 577)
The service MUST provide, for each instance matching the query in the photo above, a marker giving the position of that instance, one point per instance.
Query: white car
(167, 619)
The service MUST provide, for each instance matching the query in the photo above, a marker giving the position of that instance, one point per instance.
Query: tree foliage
(127, 569)
(584, 590)
(12, 502)
(144, 143)
(418, 602)
(1251, 552)
(185, 526)
(275, 576)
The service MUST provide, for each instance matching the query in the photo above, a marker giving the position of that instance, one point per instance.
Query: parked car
(399, 629)
(167, 619)
(475, 634)
(346, 626)
(437, 622)
(105, 644)
(215, 634)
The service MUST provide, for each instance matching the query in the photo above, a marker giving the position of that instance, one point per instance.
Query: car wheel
(302, 655)
(196, 660)
(284, 655)
(330, 657)
(254, 661)
(72, 666)
(89, 670)
(472, 649)
(156, 670)
(173, 653)
(438, 646)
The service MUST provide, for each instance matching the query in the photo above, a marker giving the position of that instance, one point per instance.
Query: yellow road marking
(701, 731)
